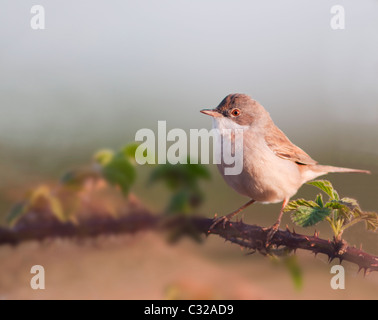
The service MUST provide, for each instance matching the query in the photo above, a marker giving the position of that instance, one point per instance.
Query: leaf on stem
(308, 216)
(295, 204)
(327, 187)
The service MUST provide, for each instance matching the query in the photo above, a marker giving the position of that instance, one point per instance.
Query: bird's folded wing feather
(284, 148)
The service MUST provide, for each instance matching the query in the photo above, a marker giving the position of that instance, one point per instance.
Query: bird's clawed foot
(271, 232)
(223, 220)
(228, 217)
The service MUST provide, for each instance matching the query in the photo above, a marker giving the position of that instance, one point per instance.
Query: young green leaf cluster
(118, 167)
(339, 213)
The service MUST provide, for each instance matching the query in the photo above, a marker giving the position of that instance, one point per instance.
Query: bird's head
(240, 109)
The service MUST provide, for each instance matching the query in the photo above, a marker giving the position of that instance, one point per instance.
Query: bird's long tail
(318, 170)
(328, 169)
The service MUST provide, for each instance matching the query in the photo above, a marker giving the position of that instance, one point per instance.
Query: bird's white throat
(227, 150)
(222, 123)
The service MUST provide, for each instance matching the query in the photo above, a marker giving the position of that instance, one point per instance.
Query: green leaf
(295, 204)
(104, 156)
(129, 151)
(319, 200)
(371, 220)
(327, 187)
(351, 203)
(309, 216)
(347, 207)
(16, 213)
(346, 204)
(117, 168)
(335, 204)
(120, 172)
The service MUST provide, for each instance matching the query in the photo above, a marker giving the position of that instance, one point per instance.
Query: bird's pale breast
(265, 177)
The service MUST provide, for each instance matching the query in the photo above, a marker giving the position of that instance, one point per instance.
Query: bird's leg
(273, 229)
(230, 215)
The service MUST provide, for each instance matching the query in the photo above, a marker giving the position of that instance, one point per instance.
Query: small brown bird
(273, 167)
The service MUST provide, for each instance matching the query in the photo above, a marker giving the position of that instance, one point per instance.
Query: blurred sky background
(101, 70)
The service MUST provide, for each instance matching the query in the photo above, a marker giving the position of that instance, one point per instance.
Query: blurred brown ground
(144, 266)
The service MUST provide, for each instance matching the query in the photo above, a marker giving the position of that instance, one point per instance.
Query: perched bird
(273, 167)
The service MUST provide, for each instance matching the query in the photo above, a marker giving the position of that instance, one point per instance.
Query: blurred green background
(101, 70)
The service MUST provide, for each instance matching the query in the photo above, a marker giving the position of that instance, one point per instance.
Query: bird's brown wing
(284, 148)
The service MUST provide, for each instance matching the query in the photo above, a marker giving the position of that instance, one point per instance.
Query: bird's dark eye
(235, 112)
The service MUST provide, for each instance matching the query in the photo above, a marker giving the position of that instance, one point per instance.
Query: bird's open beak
(212, 112)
